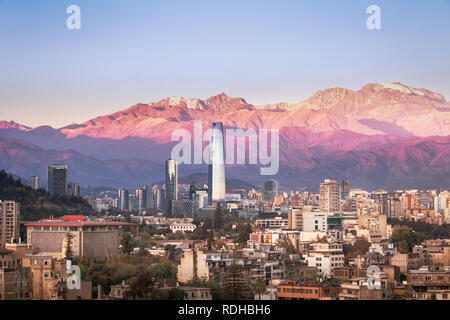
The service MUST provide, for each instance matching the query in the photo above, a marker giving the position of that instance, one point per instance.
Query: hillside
(36, 204)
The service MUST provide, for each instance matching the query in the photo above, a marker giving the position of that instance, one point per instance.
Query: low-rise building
(93, 239)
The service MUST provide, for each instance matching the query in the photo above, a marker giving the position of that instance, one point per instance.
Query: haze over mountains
(382, 136)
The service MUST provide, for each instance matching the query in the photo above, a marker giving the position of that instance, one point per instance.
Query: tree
(218, 217)
(361, 246)
(236, 286)
(244, 230)
(216, 291)
(406, 238)
(259, 287)
(68, 247)
(125, 241)
(287, 244)
(164, 270)
(210, 240)
(141, 288)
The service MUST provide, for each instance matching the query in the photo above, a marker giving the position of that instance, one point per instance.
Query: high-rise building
(271, 189)
(141, 199)
(9, 222)
(73, 189)
(442, 202)
(149, 197)
(57, 179)
(330, 196)
(124, 200)
(35, 182)
(171, 182)
(381, 199)
(158, 197)
(216, 168)
(345, 189)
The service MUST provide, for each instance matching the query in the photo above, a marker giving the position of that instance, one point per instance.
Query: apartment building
(325, 256)
(48, 279)
(429, 283)
(14, 280)
(9, 222)
(277, 222)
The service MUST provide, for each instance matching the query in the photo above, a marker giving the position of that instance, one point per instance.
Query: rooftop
(73, 221)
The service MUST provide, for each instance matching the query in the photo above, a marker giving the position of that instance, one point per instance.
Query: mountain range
(381, 136)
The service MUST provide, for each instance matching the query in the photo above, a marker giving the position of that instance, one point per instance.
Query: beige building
(376, 224)
(330, 196)
(295, 219)
(407, 261)
(93, 239)
(14, 280)
(49, 279)
(9, 222)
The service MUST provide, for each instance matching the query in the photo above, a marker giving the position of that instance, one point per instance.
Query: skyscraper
(149, 197)
(345, 189)
(271, 189)
(35, 182)
(57, 179)
(330, 196)
(124, 200)
(73, 189)
(171, 182)
(216, 168)
(141, 199)
(157, 197)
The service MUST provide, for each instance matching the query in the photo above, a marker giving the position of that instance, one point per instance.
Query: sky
(265, 51)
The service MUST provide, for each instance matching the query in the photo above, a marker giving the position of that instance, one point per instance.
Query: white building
(325, 257)
(183, 227)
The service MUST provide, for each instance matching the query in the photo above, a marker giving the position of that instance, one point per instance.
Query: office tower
(157, 197)
(124, 200)
(73, 189)
(149, 197)
(9, 222)
(330, 196)
(35, 182)
(171, 182)
(141, 199)
(57, 179)
(345, 189)
(216, 168)
(271, 189)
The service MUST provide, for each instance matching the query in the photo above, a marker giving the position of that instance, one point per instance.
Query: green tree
(406, 238)
(217, 292)
(125, 241)
(218, 217)
(259, 287)
(164, 270)
(210, 240)
(287, 244)
(244, 230)
(68, 247)
(236, 286)
(141, 288)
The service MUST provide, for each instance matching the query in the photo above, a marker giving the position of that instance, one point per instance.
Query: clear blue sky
(265, 51)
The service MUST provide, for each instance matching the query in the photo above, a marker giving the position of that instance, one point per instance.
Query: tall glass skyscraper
(216, 168)
(171, 182)
(124, 200)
